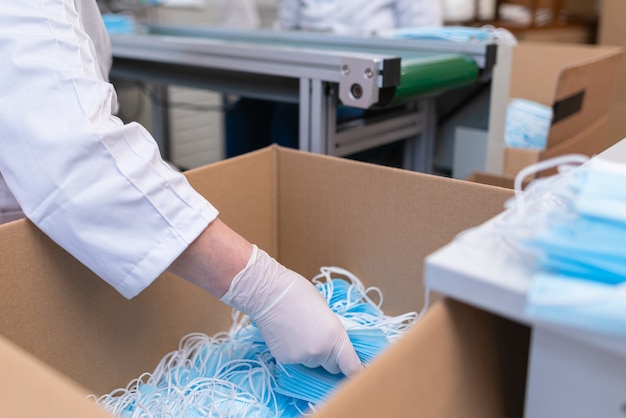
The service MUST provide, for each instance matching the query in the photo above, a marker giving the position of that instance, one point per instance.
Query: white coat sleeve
(96, 186)
(419, 13)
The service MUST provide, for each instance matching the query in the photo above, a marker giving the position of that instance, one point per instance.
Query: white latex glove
(292, 316)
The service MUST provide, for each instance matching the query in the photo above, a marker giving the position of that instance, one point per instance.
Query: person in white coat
(358, 18)
(99, 188)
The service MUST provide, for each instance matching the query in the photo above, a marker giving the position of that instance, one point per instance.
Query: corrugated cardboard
(31, 388)
(612, 31)
(308, 211)
(491, 179)
(426, 374)
(578, 81)
(617, 123)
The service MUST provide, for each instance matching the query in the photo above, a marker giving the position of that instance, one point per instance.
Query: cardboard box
(308, 211)
(612, 31)
(578, 82)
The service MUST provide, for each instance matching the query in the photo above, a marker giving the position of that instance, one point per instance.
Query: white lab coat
(358, 17)
(96, 186)
(10, 209)
(237, 14)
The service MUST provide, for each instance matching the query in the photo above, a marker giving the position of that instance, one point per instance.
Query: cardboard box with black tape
(578, 82)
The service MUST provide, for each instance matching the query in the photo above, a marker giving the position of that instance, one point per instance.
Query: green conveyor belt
(421, 72)
(434, 72)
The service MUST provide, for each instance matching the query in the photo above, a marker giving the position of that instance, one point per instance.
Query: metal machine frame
(292, 67)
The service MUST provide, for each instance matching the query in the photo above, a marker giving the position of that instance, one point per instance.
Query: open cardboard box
(578, 82)
(65, 333)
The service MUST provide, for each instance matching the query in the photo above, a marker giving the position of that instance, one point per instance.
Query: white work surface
(571, 373)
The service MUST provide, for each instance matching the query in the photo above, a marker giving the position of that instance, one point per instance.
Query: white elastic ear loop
(562, 160)
(501, 34)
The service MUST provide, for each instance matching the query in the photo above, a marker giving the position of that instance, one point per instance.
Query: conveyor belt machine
(394, 80)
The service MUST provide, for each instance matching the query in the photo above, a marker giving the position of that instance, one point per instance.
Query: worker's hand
(292, 315)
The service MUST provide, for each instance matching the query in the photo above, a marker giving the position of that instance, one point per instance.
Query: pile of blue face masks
(233, 374)
(581, 257)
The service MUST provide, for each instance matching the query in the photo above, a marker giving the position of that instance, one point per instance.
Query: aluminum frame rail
(483, 53)
(360, 75)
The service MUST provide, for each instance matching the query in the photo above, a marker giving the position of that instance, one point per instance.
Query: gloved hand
(292, 316)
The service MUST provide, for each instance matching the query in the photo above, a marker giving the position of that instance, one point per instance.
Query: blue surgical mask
(527, 124)
(589, 248)
(603, 191)
(463, 34)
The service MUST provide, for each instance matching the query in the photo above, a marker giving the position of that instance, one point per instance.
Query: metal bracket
(359, 82)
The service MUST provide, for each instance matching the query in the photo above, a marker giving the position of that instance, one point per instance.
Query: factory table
(571, 372)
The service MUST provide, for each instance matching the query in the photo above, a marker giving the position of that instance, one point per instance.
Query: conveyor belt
(318, 71)
(432, 73)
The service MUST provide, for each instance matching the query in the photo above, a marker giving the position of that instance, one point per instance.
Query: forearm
(213, 259)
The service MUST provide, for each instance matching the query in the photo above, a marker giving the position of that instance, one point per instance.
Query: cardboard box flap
(36, 390)
(595, 84)
(457, 344)
(537, 68)
(589, 141)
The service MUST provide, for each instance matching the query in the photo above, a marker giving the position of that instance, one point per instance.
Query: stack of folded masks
(233, 374)
(580, 280)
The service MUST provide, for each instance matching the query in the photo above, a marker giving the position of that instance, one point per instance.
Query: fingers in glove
(347, 360)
